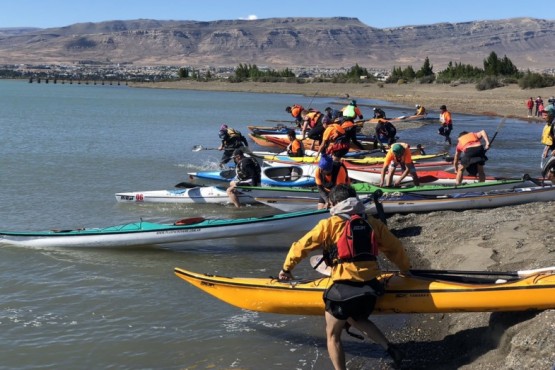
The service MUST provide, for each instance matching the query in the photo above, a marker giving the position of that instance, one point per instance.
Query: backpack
(356, 242)
(233, 132)
(547, 139)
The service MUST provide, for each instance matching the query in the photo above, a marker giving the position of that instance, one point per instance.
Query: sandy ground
(507, 101)
(503, 239)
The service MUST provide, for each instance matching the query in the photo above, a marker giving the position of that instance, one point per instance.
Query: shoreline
(507, 101)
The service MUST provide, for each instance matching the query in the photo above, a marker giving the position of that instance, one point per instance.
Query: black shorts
(352, 300)
(474, 155)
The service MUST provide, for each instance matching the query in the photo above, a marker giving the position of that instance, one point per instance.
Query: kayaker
(446, 123)
(248, 174)
(420, 110)
(328, 175)
(335, 141)
(470, 155)
(231, 139)
(352, 111)
(351, 129)
(295, 111)
(398, 154)
(378, 112)
(312, 126)
(296, 146)
(351, 298)
(386, 132)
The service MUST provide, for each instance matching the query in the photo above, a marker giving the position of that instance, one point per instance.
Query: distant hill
(284, 42)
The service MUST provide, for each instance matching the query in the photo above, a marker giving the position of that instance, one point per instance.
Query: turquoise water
(66, 149)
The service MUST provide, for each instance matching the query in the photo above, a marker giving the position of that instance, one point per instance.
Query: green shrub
(488, 83)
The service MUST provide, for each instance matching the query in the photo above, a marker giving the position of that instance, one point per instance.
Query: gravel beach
(502, 239)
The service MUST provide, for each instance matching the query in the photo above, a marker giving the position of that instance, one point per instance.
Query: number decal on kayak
(139, 197)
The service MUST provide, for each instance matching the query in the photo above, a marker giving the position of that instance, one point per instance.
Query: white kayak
(414, 202)
(194, 195)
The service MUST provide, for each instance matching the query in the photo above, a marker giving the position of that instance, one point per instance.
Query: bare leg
(232, 195)
(334, 327)
(481, 174)
(459, 177)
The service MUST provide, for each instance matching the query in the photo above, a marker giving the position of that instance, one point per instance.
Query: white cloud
(250, 17)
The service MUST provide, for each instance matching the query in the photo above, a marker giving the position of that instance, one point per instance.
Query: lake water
(66, 149)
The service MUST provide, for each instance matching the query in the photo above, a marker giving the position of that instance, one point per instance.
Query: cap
(374, 108)
(326, 163)
(223, 127)
(397, 149)
(353, 102)
(328, 109)
(237, 152)
(417, 105)
(443, 107)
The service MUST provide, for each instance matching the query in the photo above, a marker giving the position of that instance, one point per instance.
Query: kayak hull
(149, 233)
(195, 195)
(402, 295)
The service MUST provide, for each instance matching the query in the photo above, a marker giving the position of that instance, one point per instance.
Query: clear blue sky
(375, 13)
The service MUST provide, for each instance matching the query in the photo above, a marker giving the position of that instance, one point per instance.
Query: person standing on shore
(399, 154)
(470, 155)
(446, 123)
(351, 298)
(539, 101)
(548, 136)
(530, 106)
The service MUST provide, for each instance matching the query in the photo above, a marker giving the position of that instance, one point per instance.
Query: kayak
(368, 142)
(414, 202)
(429, 293)
(283, 175)
(438, 177)
(184, 230)
(374, 160)
(193, 195)
(363, 189)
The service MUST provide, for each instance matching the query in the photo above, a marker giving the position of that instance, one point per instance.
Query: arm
(484, 135)
(403, 175)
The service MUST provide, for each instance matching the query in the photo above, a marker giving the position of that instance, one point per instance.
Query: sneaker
(395, 354)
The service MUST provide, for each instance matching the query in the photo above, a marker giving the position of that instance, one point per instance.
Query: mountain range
(283, 42)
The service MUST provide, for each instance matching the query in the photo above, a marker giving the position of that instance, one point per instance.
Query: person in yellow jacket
(351, 277)
(420, 110)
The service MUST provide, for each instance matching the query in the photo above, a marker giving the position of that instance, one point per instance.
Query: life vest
(357, 241)
(233, 132)
(242, 173)
(314, 118)
(339, 142)
(349, 111)
(296, 110)
(467, 140)
(293, 153)
(547, 138)
(328, 185)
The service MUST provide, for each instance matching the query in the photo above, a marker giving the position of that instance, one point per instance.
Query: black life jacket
(334, 174)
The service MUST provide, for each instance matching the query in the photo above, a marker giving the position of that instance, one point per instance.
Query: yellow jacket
(326, 234)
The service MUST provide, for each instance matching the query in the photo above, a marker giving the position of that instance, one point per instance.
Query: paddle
(315, 262)
(198, 148)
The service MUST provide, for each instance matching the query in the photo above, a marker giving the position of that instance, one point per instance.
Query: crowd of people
(350, 300)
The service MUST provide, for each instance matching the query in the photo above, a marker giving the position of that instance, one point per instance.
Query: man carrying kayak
(352, 296)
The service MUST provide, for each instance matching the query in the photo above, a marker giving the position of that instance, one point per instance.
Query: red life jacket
(357, 242)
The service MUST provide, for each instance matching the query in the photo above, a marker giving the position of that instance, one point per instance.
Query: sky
(374, 13)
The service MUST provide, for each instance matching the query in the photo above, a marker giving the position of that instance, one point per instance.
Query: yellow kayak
(427, 293)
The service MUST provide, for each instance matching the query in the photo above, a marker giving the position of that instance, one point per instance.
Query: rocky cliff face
(284, 42)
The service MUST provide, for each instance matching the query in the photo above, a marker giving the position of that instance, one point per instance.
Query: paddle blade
(317, 263)
(197, 148)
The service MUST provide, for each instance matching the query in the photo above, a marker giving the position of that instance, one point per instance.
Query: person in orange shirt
(351, 132)
(399, 154)
(295, 147)
(335, 142)
(295, 111)
(329, 174)
(446, 123)
(470, 154)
